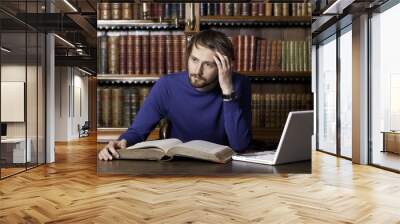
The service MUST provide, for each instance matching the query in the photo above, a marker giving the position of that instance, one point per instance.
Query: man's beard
(197, 81)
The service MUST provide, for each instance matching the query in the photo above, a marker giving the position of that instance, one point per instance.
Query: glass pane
(31, 97)
(14, 146)
(346, 94)
(327, 96)
(385, 84)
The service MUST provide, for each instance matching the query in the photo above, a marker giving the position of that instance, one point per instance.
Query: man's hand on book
(110, 150)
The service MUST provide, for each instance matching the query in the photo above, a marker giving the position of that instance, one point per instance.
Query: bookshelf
(280, 83)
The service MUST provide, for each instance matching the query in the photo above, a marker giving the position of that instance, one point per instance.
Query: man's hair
(213, 40)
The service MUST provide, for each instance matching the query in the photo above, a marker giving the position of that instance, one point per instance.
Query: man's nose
(198, 68)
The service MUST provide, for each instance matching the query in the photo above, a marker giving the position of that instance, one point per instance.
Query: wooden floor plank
(69, 191)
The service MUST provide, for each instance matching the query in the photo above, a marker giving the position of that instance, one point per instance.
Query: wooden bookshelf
(255, 20)
(131, 79)
(155, 24)
(276, 74)
(267, 133)
(104, 135)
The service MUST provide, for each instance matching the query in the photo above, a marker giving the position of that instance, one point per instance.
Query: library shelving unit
(288, 29)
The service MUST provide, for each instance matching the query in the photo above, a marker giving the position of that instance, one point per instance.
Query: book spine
(237, 8)
(113, 53)
(254, 9)
(261, 9)
(162, 55)
(240, 54)
(105, 95)
(127, 11)
(126, 108)
(245, 9)
(268, 9)
(145, 52)
(153, 53)
(105, 11)
(115, 11)
(263, 52)
(102, 55)
(138, 53)
(122, 53)
(176, 45)
(130, 54)
(252, 58)
(183, 52)
(169, 53)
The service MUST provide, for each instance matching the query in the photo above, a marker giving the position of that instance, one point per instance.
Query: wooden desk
(191, 167)
(391, 141)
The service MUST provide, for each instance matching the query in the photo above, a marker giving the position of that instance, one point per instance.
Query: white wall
(70, 84)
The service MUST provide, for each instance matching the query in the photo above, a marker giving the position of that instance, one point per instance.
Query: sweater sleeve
(237, 115)
(149, 114)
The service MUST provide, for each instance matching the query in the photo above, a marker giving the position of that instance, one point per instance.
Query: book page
(203, 150)
(164, 144)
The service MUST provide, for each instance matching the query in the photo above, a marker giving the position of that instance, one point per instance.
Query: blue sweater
(195, 115)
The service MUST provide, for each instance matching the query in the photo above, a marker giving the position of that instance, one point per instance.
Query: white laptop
(294, 145)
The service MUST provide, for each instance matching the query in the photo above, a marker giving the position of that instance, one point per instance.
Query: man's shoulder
(241, 78)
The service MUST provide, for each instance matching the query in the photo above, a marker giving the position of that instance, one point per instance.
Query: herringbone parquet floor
(69, 191)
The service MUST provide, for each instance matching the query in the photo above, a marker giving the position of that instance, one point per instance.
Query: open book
(168, 148)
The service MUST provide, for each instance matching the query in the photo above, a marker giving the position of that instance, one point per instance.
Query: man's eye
(194, 59)
(209, 65)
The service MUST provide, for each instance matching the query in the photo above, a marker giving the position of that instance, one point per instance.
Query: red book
(153, 53)
(138, 53)
(146, 52)
(222, 9)
(183, 53)
(162, 52)
(130, 55)
(261, 9)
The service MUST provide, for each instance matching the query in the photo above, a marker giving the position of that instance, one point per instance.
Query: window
(385, 86)
(327, 95)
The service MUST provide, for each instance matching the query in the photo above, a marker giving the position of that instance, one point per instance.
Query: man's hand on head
(224, 73)
(110, 150)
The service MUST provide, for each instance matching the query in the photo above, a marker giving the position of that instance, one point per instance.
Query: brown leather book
(162, 52)
(277, 9)
(126, 119)
(237, 9)
(102, 53)
(267, 55)
(122, 52)
(253, 109)
(176, 51)
(116, 107)
(258, 54)
(115, 11)
(113, 53)
(138, 52)
(240, 52)
(145, 52)
(278, 61)
(246, 53)
(273, 107)
(183, 52)
(254, 8)
(134, 102)
(127, 11)
(267, 109)
(263, 51)
(253, 52)
(105, 99)
(169, 53)
(273, 56)
(136, 11)
(130, 53)
(153, 53)
(268, 9)
(104, 11)
(285, 9)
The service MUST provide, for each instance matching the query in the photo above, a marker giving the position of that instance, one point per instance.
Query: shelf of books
(140, 42)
